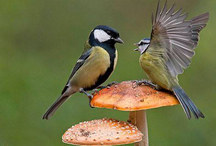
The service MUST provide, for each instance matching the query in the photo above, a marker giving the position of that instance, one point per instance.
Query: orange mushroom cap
(102, 132)
(128, 96)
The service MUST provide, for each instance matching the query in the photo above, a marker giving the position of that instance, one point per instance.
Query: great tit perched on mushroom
(169, 51)
(94, 66)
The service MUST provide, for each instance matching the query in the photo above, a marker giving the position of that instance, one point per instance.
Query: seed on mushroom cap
(102, 132)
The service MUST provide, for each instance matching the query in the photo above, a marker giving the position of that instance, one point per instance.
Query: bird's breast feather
(96, 65)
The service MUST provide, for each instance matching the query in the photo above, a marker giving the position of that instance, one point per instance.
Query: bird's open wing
(79, 63)
(176, 37)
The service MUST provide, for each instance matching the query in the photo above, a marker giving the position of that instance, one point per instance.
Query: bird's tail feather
(55, 106)
(187, 104)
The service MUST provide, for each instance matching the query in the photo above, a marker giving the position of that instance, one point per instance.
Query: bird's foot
(107, 86)
(90, 96)
(112, 83)
(96, 91)
(146, 82)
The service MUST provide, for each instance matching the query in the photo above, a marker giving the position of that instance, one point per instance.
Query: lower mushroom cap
(127, 96)
(102, 132)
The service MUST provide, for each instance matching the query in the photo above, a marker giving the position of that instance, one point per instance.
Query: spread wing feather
(176, 37)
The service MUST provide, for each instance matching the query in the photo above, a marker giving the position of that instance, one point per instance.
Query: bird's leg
(96, 90)
(146, 82)
(149, 83)
(90, 96)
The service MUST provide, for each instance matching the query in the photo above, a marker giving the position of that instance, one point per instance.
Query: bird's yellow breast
(116, 59)
(96, 65)
(155, 70)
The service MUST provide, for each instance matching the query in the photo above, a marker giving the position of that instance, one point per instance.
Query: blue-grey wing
(176, 37)
(79, 63)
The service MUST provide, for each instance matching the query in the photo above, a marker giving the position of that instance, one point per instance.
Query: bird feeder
(128, 96)
(124, 96)
(102, 132)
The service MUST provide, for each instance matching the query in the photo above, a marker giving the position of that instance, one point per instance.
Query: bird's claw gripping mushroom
(146, 82)
(112, 83)
(96, 91)
(90, 96)
(107, 86)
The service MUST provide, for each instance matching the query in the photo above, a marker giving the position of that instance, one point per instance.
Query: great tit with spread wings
(94, 66)
(169, 51)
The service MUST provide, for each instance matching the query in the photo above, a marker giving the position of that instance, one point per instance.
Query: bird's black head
(104, 35)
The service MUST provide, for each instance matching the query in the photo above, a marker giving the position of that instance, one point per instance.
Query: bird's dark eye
(141, 43)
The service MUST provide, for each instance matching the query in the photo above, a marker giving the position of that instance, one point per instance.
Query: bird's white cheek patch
(143, 48)
(101, 35)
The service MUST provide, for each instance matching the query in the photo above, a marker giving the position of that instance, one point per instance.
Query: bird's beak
(136, 44)
(119, 40)
(137, 49)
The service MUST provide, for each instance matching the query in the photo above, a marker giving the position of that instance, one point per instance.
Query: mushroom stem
(139, 119)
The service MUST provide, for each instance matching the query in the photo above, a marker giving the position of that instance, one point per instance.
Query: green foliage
(40, 42)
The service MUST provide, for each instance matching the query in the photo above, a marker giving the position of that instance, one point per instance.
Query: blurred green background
(40, 42)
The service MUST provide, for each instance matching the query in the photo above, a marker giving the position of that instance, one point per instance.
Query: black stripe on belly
(102, 78)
